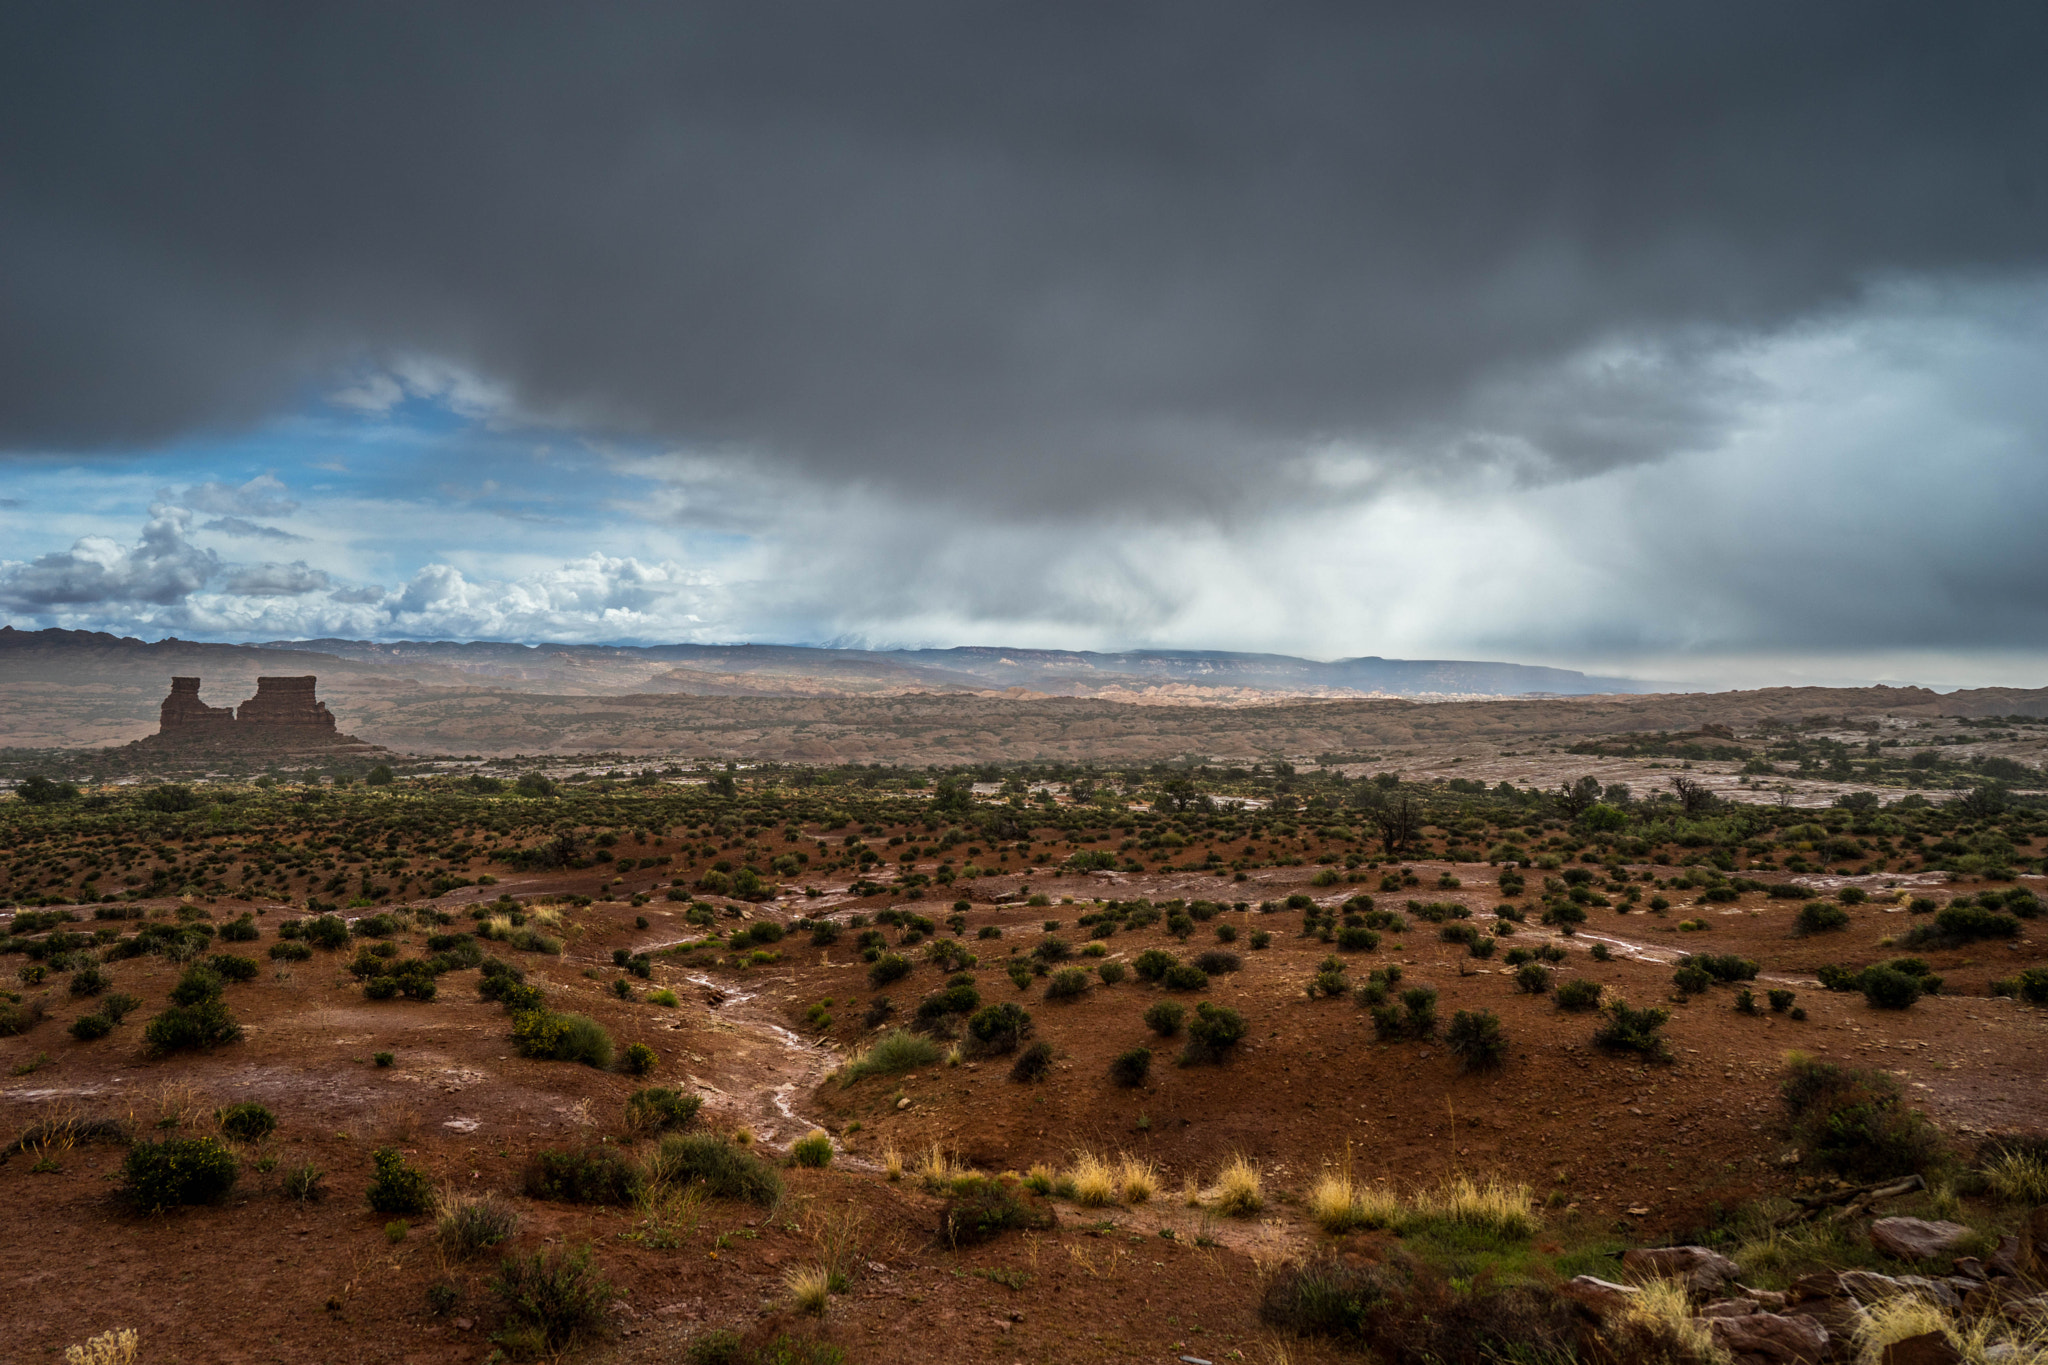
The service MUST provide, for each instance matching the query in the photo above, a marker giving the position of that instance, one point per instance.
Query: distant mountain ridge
(984, 667)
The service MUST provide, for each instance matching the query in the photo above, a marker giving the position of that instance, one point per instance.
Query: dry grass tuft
(1664, 1309)
(810, 1288)
(937, 1171)
(892, 1162)
(2019, 1177)
(1191, 1193)
(117, 1347)
(1136, 1179)
(1339, 1203)
(1503, 1207)
(1239, 1189)
(1092, 1180)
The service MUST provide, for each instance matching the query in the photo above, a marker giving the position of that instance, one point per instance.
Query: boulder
(1600, 1296)
(1933, 1291)
(1915, 1239)
(1730, 1308)
(1703, 1269)
(1929, 1348)
(1867, 1286)
(1775, 1338)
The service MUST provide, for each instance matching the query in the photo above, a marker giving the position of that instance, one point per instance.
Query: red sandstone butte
(284, 716)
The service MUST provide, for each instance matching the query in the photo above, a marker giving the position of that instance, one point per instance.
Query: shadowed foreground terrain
(1117, 1066)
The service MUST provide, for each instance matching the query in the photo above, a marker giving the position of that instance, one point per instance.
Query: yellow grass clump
(1239, 1189)
(1092, 1180)
(892, 1162)
(1665, 1308)
(1501, 1206)
(2019, 1177)
(809, 1286)
(1136, 1179)
(117, 1347)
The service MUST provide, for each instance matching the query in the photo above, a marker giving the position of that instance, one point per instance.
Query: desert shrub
(1887, 988)
(1578, 994)
(896, 1050)
(1819, 917)
(813, 1149)
(199, 983)
(1780, 1000)
(999, 1028)
(1602, 953)
(548, 1036)
(1130, 1069)
(1217, 962)
(175, 1171)
(659, 1109)
(725, 1169)
(325, 931)
(1692, 980)
(1957, 924)
(472, 1224)
(247, 1122)
(582, 1175)
(1153, 964)
(397, 1187)
(639, 1059)
(87, 1028)
(1626, 1029)
(1856, 1121)
(1356, 938)
(1032, 1063)
(1476, 1039)
(557, 1301)
(1329, 980)
(1533, 978)
(1111, 973)
(302, 1183)
(88, 981)
(1183, 977)
(1069, 983)
(1212, 1033)
(1324, 1296)
(289, 951)
(2030, 985)
(1165, 1017)
(1052, 950)
(182, 1028)
(887, 968)
(1722, 966)
(1260, 940)
(982, 1208)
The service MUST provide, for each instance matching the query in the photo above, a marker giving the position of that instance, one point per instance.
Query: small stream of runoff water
(794, 1065)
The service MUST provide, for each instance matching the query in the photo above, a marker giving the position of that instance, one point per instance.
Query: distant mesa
(285, 716)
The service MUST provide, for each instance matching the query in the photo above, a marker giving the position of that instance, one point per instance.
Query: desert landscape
(1426, 1044)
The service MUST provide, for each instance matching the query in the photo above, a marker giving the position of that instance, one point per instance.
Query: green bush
(724, 1169)
(397, 1187)
(88, 1027)
(547, 1036)
(1626, 1029)
(89, 981)
(813, 1150)
(1887, 988)
(555, 1301)
(582, 1175)
(1130, 1069)
(176, 1171)
(1856, 1122)
(1578, 994)
(1818, 917)
(247, 1121)
(1153, 964)
(1165, 1017)
(999, 1028)
(1692, 980)
(981, 1208)
(639, 1059)
(182, 1028)
(289, 951)
(658, 1109)
(1032, 1063)
(887, 968)
(1476, 1039)
(896, 1050)
(1111, 973)
(1958, 924)
(1069, 983)
(1212, 1033)
(1182, 976)
(1533, 978)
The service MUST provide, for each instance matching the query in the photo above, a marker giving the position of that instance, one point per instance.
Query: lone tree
(1693, 795)
(1398, 821)
(1578, 797)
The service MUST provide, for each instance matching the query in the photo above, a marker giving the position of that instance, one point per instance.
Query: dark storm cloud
(1049, 255)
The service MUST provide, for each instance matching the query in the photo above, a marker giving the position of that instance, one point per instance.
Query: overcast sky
(1700, 342)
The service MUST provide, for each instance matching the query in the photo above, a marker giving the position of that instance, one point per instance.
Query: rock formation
(284, 717)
